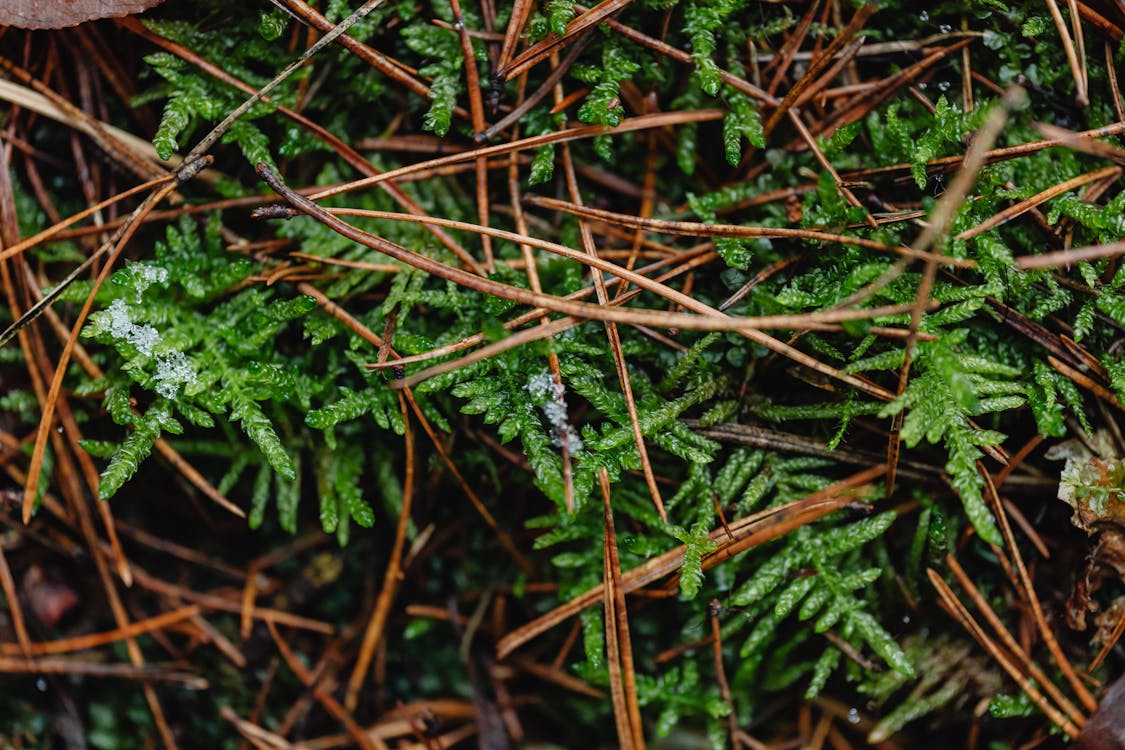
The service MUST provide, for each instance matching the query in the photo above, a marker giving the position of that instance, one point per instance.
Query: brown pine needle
(541, 50)
(1010, 642)
(47, 421)
(1084, 380)
(388, 66)
(1077, 67)
(146, 674)
(502, 536)
(365, 740)
(619, 648)
(819, 64)
(517, 113)
(713, 320)
(699, 229)
(858, 106)
(51, 231)
(783, 58)
(674, 53)
(370, 336)
(521, 12)
(748, 532)
(1107, 647)
(93, 640)
(532, 272)
(1048, 635)
(224, 604)
(614, 339)
(692, 259)
(1070, 256)
(256, 735)
(1081, 142)
(940, 219)
(476, 110)
(958, 611)
(11, 596)
(1029, 203)
(629, 125)
(345, 151)
(391, 575)
(946, 164)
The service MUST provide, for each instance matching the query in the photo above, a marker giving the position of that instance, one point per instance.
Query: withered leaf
(1105, 729)
(56, 14)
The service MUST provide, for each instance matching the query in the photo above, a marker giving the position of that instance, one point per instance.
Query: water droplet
(906, 619)
(924, 16)
(922, 86)
(943, 86)
(853, 716)
(945, 28)
(60, 429)
(41, 685)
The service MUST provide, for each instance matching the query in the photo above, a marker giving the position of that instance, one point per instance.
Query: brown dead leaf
(56, 14)
(1105, 729)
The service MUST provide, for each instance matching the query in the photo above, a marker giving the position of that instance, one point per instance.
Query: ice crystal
(172, 372)
(147, 276)
(549, 395)
(121, 326)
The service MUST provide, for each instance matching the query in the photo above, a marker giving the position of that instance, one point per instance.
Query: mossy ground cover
(661, 372)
